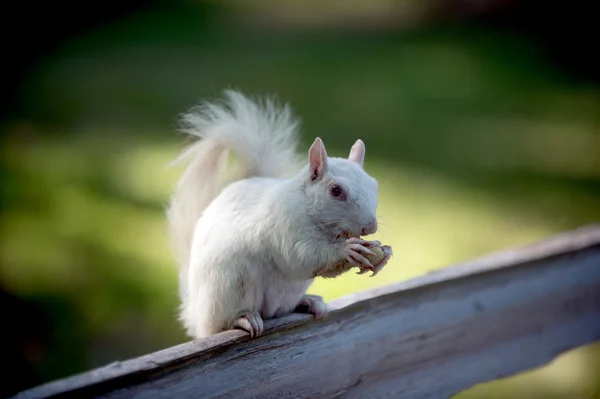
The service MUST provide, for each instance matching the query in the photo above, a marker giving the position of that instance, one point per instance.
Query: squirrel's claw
(362, 242)
(355, 248)
(387, 251)
(250, 322)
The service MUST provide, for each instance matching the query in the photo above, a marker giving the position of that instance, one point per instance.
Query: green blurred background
(481, 121)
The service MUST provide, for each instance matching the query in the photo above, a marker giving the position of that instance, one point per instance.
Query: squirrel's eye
(337, 191)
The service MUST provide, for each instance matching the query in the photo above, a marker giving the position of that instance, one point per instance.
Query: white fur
(252, 238)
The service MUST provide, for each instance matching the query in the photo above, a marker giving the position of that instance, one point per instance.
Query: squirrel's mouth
(343, 234)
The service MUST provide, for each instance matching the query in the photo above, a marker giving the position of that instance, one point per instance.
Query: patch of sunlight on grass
(140, 234)
(66, 182)
(80, 215)
(144, 173)
(30, 241)
(569, 148)
(571, 375)
(432, 223)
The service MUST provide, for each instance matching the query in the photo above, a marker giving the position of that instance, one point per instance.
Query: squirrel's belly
(282, 298)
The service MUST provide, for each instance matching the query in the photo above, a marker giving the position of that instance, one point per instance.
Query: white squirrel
(250, 238)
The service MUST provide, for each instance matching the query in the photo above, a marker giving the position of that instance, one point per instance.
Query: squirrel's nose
(370, 228)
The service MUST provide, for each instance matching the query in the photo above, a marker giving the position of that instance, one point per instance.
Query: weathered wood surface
(430, 337)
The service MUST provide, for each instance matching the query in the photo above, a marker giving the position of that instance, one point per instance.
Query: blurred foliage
(478, 142)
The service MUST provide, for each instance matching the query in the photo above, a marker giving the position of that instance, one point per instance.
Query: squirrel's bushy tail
(261, 137)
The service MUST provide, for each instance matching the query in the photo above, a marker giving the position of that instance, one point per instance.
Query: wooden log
(429, 337)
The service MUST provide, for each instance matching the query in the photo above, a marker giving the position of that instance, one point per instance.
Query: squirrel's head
(342, 196)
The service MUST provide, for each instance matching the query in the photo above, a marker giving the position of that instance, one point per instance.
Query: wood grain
(430, 337)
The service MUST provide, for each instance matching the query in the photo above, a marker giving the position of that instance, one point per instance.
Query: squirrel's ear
(357, 153)
(317, 159)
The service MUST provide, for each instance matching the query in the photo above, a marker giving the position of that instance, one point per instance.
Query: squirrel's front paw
(356, 250)
(387, 252)
(249, 321)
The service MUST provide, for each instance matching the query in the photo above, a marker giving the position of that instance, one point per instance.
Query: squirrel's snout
(370, 228)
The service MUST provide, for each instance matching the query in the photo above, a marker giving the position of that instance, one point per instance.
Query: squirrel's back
(260, 138)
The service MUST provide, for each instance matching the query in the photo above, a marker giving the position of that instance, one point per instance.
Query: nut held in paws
(377, 257)
(342, 266)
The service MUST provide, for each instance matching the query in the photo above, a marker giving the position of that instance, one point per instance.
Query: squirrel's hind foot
(314, 305)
